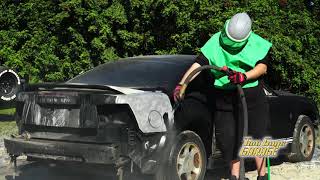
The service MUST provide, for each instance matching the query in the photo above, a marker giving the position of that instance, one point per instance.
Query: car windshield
(140, 73)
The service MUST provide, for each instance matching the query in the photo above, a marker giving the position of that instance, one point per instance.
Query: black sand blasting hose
(243, 102)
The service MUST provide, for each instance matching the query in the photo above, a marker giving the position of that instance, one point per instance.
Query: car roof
(176, 57)
(140, 72)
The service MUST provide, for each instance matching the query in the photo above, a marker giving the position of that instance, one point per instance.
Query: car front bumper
(66, 151)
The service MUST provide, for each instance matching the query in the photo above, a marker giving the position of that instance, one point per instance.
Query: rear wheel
(186, 159)
(303, 144)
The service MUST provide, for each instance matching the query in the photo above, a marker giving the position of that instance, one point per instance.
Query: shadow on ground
(52, 171)
(4, 117)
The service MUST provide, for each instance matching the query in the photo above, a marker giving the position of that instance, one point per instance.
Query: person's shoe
(235, 178)
(265, 177)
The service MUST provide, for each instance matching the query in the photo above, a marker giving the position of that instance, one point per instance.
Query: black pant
(228, 119)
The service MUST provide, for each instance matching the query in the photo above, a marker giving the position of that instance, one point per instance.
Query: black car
(122, 113)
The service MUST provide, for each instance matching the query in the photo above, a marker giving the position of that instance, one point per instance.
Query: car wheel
(9, 84)
(186, 159)
(303, 144)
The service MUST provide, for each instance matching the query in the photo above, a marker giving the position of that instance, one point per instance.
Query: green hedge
(55, 40)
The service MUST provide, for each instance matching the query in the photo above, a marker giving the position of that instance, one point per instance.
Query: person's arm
(192, 68)
(201, 60)
(260, 68)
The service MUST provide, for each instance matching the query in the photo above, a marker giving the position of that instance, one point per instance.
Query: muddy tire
(186, 158)
(303, 145)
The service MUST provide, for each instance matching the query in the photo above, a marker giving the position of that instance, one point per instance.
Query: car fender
(151, 110)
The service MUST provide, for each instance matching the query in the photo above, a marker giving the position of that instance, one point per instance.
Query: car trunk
(77, 115)
(60, 109)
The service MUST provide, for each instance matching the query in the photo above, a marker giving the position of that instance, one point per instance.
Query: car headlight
(155, 119)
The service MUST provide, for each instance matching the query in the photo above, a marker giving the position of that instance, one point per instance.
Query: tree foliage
(54, 40)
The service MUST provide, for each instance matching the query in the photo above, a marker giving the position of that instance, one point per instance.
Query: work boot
(265, 177)
(235, 178)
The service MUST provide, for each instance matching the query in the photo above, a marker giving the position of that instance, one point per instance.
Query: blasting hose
(243, 102)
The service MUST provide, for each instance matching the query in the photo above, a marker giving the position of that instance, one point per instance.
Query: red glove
(176, 93)
(227, 70)
(237, 78)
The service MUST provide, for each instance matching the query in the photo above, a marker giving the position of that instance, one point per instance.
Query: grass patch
(7, 128)
(10, 111)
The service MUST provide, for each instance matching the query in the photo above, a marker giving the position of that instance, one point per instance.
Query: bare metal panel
(149, 108)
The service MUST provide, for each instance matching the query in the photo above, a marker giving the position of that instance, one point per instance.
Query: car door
(279, 113)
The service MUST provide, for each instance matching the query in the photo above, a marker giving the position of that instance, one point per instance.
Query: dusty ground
(50, 171)
(295, 171)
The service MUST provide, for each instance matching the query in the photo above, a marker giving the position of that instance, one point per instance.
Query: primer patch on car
(146, 103)
(56, 117)
(126, 90)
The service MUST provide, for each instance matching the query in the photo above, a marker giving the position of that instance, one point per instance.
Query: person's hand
(227, 70)
(237, 78)
(176, 93)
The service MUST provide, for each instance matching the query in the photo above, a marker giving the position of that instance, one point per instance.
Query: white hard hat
(238, 27)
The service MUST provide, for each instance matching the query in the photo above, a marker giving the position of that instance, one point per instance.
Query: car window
(137, 73)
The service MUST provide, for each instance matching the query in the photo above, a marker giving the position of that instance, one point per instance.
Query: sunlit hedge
(54, 40)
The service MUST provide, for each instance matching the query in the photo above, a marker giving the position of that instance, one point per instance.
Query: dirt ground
(52, 171)
(294, 171)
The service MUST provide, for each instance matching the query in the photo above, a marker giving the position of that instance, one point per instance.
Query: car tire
(189, 149)
(303, 145)
(9, 84)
